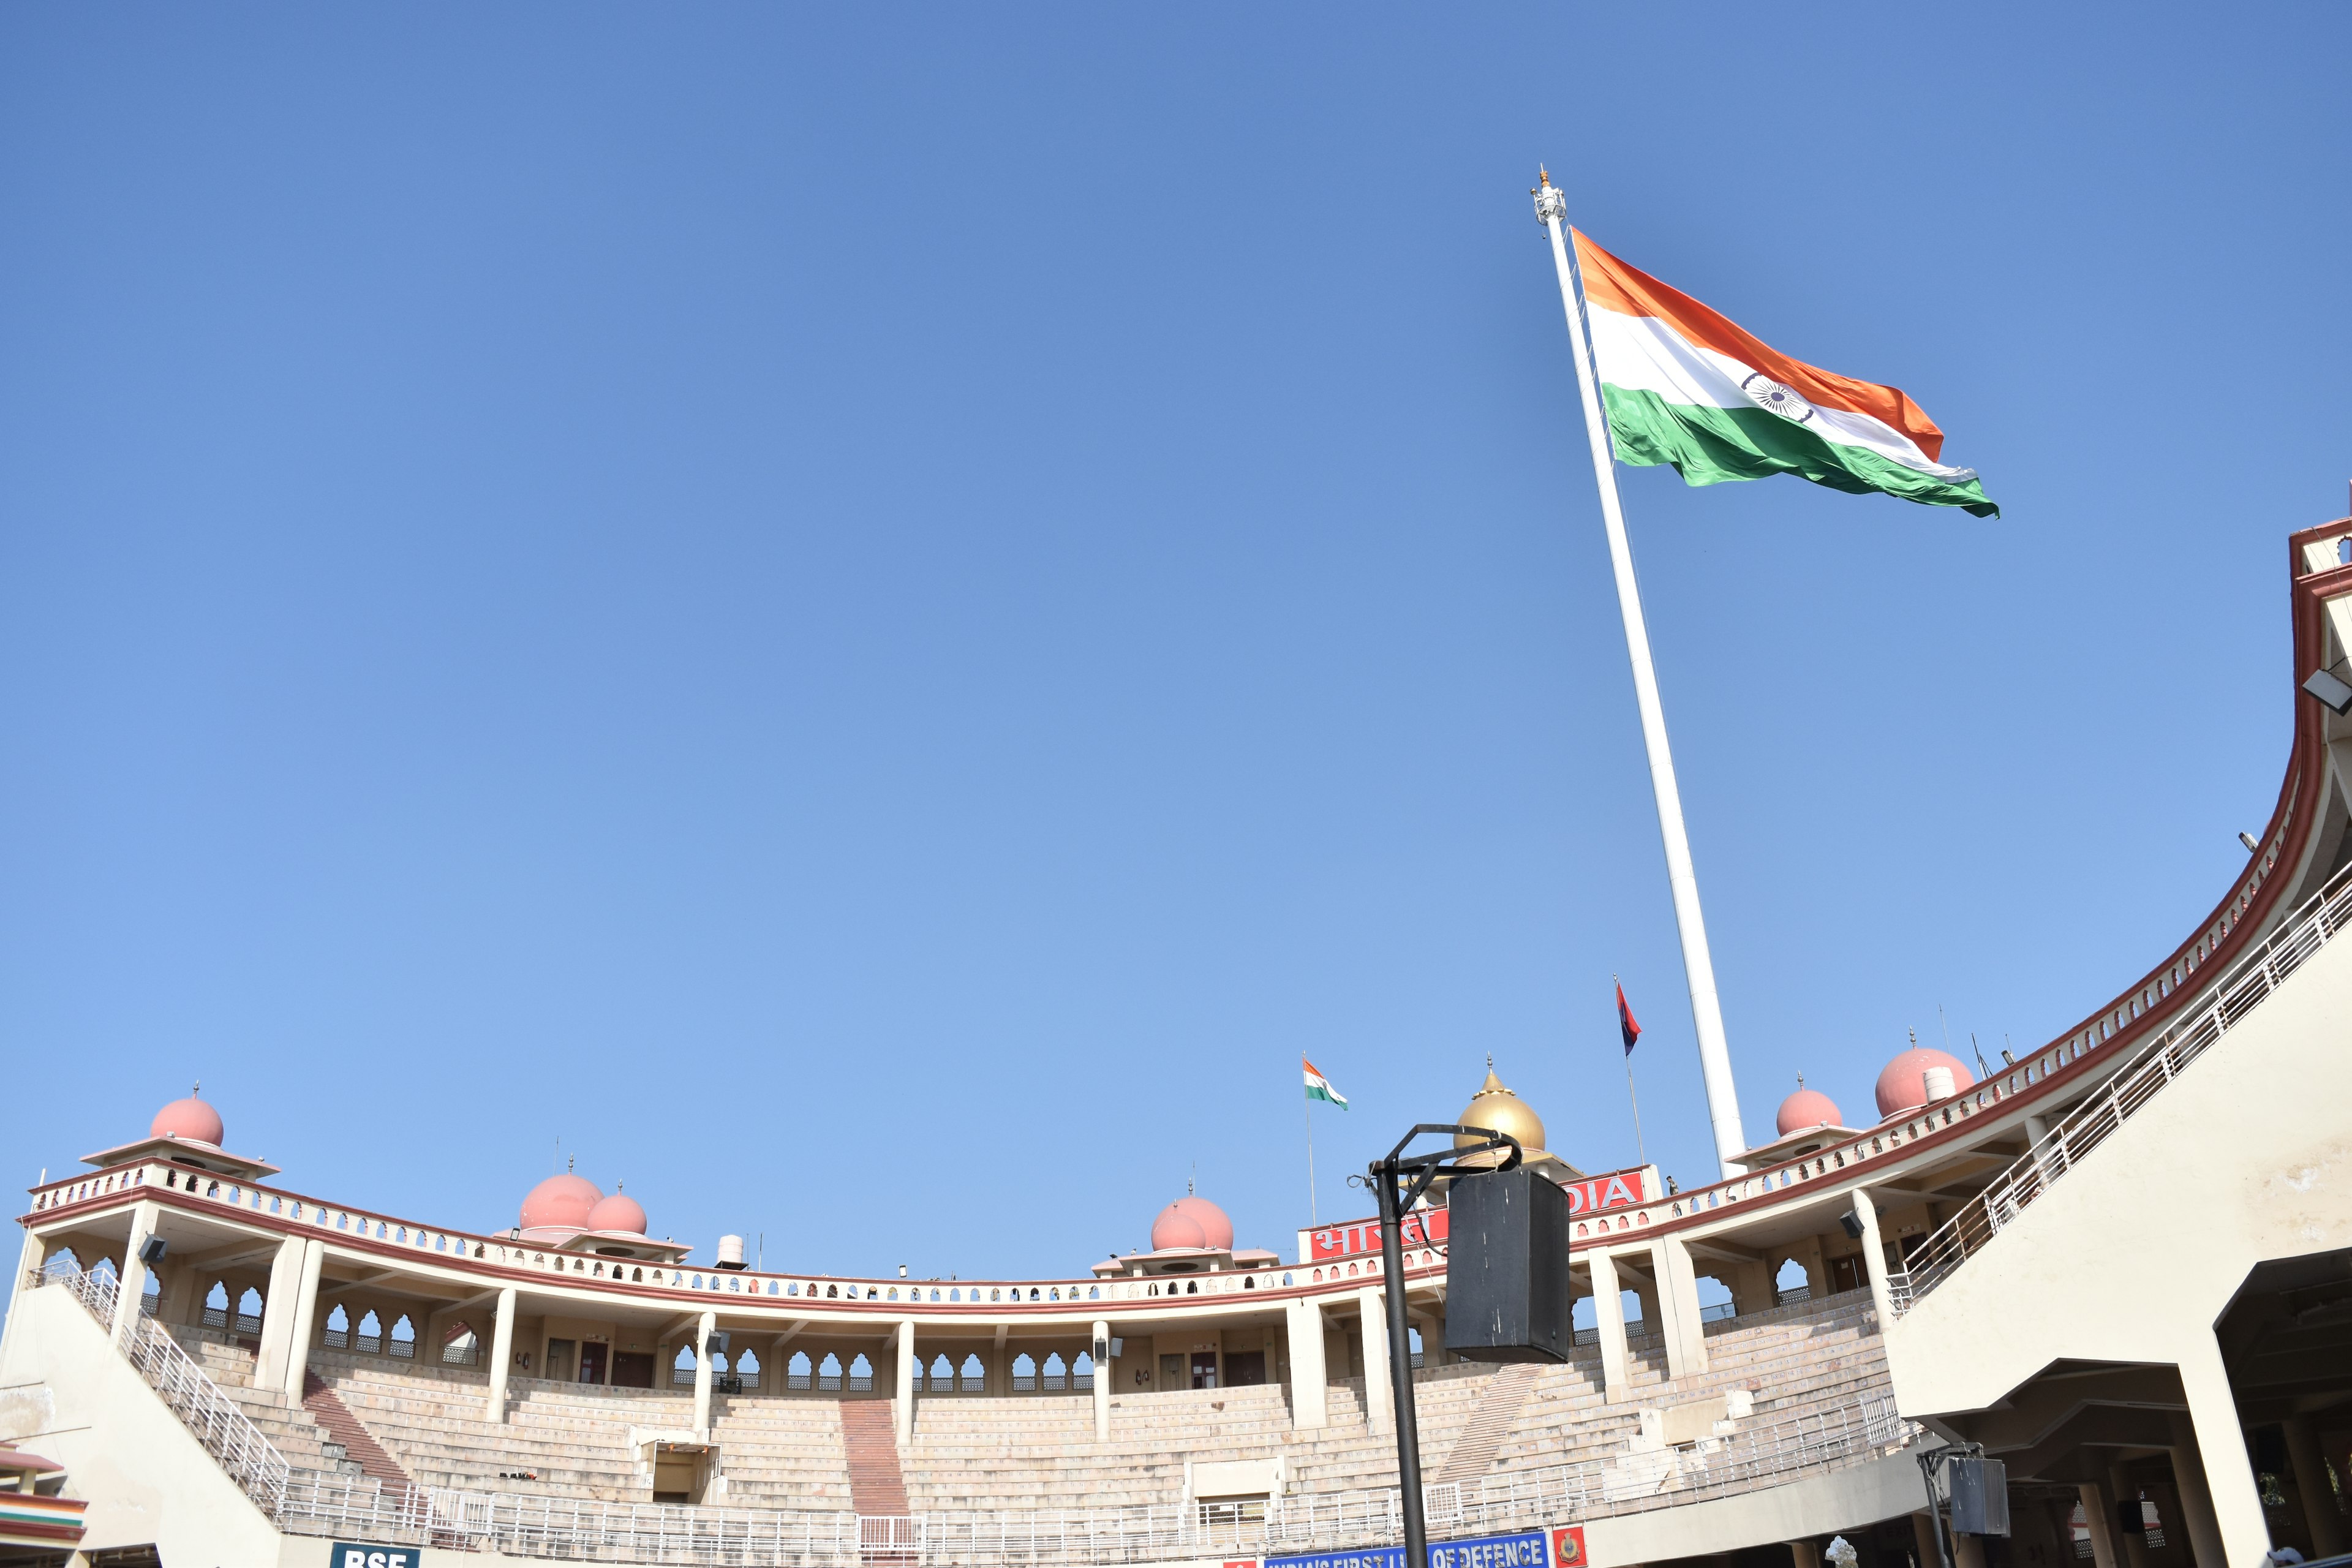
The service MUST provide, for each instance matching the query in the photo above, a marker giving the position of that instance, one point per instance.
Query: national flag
(1319, 1087)
(1685, 385)
(1626, 1028)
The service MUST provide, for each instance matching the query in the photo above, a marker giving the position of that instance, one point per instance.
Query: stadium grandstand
(217, 1366)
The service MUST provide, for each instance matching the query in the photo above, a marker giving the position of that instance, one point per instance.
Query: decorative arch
(370, 1340)
(1082, 1372)
(681, 1368)
(747, 1367)
(249, 1308)
(799, 1370)
(829, 1373)
(460, 1346)
(339, 1328)
(403, 1341)
(974, 1374)
(1056, 1372)
(861, 1375)
(1024, 1374)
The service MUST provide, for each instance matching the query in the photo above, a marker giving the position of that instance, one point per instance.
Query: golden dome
(1497, 1106)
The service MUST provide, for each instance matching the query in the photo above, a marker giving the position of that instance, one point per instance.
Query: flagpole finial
(1550, 205)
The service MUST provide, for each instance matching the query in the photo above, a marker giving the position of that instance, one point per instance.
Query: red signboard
(1568, 1546)
(1426, 1227)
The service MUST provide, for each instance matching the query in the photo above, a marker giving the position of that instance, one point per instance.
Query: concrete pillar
(1967, 1551)
(1378, 1410)
(1099, 1350)
(1309, 1382)
(1645, 1291)
(906, 1398)
(33, 1255)
(2132, 1547)
(1924, 1535)
(306, 1316)
(1873, 1257)
(703, 1329)
(502, 1357)
(2320, 1514)
(1804, 1554)
(278, 1314)
(2231, 1500)
(1808, 1253)
(2036, 1129)
(2099, 1517)
(1608, 1315)
(132, 1282)
(1678, 1320)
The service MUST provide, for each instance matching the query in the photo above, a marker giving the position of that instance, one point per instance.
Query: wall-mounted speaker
(1506, 1288)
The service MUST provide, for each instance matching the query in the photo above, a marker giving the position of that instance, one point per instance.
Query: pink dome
(1192, 1222)
(619, 1212)
(191, 1119)
(564, 1201)
(1807, 1107)
(1902, 1086)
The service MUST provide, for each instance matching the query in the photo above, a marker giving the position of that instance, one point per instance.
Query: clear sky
(871, 619)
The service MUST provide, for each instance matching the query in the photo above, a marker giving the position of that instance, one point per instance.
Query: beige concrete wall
(1816, 1506)
(2136, 1253)
(146, 1478)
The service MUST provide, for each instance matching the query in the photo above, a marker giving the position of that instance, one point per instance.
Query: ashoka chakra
(1782, 400)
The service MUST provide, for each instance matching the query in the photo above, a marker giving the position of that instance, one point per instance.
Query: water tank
(730, 1252)
(1938, 1083)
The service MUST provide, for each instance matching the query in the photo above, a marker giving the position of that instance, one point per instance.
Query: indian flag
(1687, 386)
(1319, 1087)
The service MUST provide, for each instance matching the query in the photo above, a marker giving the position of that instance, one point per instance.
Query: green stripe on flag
(1710, 446)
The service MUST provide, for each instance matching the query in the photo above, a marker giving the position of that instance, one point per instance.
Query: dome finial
(1800, 1081)
(196, 1089)
(571, 1162)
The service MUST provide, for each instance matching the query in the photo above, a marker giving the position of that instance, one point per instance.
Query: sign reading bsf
(347, 1554)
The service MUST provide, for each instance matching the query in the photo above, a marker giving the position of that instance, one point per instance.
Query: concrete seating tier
(291, 1430)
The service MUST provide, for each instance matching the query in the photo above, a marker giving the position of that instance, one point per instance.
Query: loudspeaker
(152, 1250)
(1979, 1495)
(1507, 1289)
(717, 1343)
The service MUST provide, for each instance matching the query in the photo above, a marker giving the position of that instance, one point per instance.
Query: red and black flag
(1626, 1027)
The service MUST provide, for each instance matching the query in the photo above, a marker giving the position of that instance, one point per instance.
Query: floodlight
(2331, 690)
(2252, 846)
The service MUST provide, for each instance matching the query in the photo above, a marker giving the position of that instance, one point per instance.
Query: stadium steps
(875, 1485)
(331, 1413)
(1498, 1413)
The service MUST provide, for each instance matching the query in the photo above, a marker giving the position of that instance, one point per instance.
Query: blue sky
(874, 619)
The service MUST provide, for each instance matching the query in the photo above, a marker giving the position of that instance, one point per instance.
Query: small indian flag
(1687, 386)
(1319, 1087)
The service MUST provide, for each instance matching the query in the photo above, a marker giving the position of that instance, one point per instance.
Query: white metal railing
(250, 1458)
(353, 1506)
(2123, 1096)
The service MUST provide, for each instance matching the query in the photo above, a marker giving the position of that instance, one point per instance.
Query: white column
(1698, 966)
(1310, 1403)
(1804, 1554)
(131, 1283)
(277, 1315)
(1101, 1352)
(494, 1409)
(906, 1398)
(1609, 1316)
(2133, 1548)
(2319, 1510)
(2230, 1501)
(1377, 1412)
(1670, 1262)
(306, 1314)
(29, 1261)
(703, 1329)
(2099, 1515)
(1873, 1257)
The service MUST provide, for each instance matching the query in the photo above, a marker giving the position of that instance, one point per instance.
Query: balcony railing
(2124, 1095)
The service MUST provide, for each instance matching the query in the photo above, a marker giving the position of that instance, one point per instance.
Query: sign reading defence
(1524, 1550)
(348, 1555)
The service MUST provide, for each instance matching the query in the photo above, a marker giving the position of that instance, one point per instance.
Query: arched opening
(402, 1345)
(1791, 1284)
(747, 1367)
(460, 1346)
(1024, 1374)
(942, 1375)
(1716, 1302)
(861, 1375)
(828, 1374)
(248, 1311)
(151, 1294)
(1082, 1372)
(372, 1334)
(681, 1371)
(974, 1374)
(798, 1372)
(1413, 1338)
(339, 1328)
(104, 1269)
(1057, 1372)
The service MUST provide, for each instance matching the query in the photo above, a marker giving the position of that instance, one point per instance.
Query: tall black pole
(1408, 1418)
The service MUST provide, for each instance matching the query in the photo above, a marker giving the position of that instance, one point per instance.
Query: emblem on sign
(1782, 400)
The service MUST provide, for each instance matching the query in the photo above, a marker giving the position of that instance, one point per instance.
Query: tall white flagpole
(1698, 966)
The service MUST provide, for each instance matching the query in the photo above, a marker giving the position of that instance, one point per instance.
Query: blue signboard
(349, 1555)
(1524, 1550)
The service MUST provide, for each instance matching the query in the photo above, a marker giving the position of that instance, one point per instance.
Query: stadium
(207, 1362)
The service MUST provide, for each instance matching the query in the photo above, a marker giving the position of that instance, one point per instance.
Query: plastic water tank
(1938, 1080)
(730, 1248)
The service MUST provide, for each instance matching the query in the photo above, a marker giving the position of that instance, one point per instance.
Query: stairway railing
(212, 1417)
(2124, 1095)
